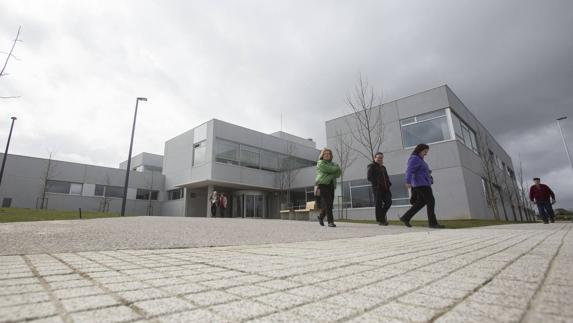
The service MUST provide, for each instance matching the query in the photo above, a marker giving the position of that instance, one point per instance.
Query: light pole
(6, 152)
(563, 138)
(129, 158)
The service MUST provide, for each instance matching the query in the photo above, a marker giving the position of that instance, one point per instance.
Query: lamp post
(129, 158)
(6, 152)
(563, 138)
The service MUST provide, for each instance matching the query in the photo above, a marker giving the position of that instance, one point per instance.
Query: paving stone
(142, 294)
(104, 315)
(242, 310)
(78, 292)
(281, 300)
(198, 315)
(249, 291)
(163, 306)
(26, 298)
(311, 292)
(498, 313)
(186, 288)
(212, 297)
(281, 317)
(20, 289)
(26, 312)
(71, 284)
(88, 302)
(323, 312)
(520, 301)
(278, 284)
(425, 300)
(120, 287)
(353, 300)
(405, 312)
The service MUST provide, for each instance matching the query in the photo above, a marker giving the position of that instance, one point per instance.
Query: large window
(269, 160)
(465, 134)
(144, 194)
(358, 193)
(227, 152)
(250, 156)
(425, 128)
(199, 153)
(64, 187)
(175, 194)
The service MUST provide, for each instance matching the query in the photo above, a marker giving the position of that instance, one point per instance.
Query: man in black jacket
(378, 176)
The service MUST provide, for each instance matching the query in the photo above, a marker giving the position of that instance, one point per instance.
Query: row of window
(71, 188)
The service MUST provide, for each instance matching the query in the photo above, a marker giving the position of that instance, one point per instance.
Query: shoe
(545, 222)
(383, 223)
(406, 223)
(552, 221)
(332, 225)
(321, 220)
(437, 226)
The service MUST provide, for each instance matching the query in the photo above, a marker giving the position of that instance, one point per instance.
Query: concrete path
(508, 273)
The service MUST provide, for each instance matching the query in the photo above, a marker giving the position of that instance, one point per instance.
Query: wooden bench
(308, 213)
(285, 214)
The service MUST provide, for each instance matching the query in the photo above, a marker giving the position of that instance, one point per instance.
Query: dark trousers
(546, 211)
(424, 197)
(383, 201)
(214, 209)
(326, 202)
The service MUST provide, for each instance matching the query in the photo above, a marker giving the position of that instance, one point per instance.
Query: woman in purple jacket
(418, 178)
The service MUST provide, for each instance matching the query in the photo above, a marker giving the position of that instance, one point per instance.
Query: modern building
(260, 174)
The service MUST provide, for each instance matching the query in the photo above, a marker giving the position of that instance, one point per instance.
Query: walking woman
(326, 174)
(419, 179)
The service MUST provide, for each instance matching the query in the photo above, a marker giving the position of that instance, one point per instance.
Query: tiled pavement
(508, 273)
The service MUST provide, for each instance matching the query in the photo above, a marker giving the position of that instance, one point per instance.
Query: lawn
(21, 215)
(450, 224)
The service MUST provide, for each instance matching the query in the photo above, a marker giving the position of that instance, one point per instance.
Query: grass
(23, 215)
(450, 224)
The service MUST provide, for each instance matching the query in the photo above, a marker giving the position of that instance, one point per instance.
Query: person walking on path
(418, 178)
(326, 174)
(378, 176)
(541, 195)
(222, 204)
(214, 199)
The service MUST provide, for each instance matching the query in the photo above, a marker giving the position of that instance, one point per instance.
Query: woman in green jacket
(326, 174)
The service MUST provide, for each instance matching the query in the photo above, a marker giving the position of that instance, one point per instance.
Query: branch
(11, 50)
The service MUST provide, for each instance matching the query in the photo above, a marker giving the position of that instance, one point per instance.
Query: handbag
(316, 190)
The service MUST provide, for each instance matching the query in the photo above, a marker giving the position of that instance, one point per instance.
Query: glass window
(58, 187)
(114, 191)
(227, 152)
(362, 196)
(99, 189)
(269, 160)
(76, 188)
(200, 133)
(199, 153)
(144, 194)
(249, 156)
(428, 128)
(175, 194)
(465, 134)
(400, 194)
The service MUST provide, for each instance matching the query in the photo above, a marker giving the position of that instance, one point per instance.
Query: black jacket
(378, 176)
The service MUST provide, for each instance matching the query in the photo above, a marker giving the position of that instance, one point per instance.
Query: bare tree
(524, 194)
(287, 172)
(489, 174)
(46, 176)
(345, 155)
(508, 190)
(150, 187)
(9, 55)
(105, 201)
(367, 128)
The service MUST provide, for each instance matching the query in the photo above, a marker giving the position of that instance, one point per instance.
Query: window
(227, 152)
(99, 190)
(250, 156)
(144, 194)
(400, 194)
(175, 194)
(358, 193)
(64, 187)
(199, 153)
(269, 160)
(425, 128)
(114, 191)
(465, 134)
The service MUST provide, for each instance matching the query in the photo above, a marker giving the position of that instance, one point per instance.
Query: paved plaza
(353, 273)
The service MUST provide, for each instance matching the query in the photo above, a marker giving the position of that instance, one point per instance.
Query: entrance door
(248, 204)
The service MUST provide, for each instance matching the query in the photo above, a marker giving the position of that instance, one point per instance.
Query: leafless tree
(287, 172)
(489, 173)
(150, 187)
(508, 191)
(46, 177)
(345, 155)
(524, 194)
(9, 55)
(105, 201)
(366, 124)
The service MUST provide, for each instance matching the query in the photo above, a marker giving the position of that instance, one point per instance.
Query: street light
(563, 138)
(129, 158)
(6, 152)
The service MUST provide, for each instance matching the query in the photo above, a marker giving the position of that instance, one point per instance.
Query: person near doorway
(419, 179)
(326, 174)
(214, 199)
(222, 204)
(543, 197)
(378, 177)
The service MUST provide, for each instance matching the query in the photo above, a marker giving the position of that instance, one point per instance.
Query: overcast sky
(82, 64)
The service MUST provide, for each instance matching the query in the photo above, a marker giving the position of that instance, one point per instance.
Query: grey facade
(263, 173)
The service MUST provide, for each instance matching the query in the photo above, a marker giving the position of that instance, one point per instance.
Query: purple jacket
(417, 172)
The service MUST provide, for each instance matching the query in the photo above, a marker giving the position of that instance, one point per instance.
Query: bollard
(80, 212)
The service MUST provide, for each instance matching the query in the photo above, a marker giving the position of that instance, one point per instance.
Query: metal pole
(563, 138)
(6, 151)
(129, 158)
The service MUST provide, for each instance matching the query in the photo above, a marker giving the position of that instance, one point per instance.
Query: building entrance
(249, 204)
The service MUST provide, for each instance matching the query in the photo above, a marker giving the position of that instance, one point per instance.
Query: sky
(82, 64)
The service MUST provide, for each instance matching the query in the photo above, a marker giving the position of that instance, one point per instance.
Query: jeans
(383, 201)
(326, 202)
(424, 197)
(546, 211)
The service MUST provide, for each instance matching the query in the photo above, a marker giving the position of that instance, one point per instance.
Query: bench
(308, 213)
(285, 214)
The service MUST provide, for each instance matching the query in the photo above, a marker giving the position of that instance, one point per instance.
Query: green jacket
(326, 172)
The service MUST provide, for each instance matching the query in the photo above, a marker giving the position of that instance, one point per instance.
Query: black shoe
(406, 223)
(332, 225)
(552, 221)
(545, 222)
(321, 220)
(383, 223)
(437, 226)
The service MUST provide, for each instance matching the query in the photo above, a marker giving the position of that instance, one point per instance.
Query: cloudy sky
(82, 64)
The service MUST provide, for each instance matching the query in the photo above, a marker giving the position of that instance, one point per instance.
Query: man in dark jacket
(540, 194)
(378, 176)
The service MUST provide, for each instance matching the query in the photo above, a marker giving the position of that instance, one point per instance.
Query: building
(261, 174)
